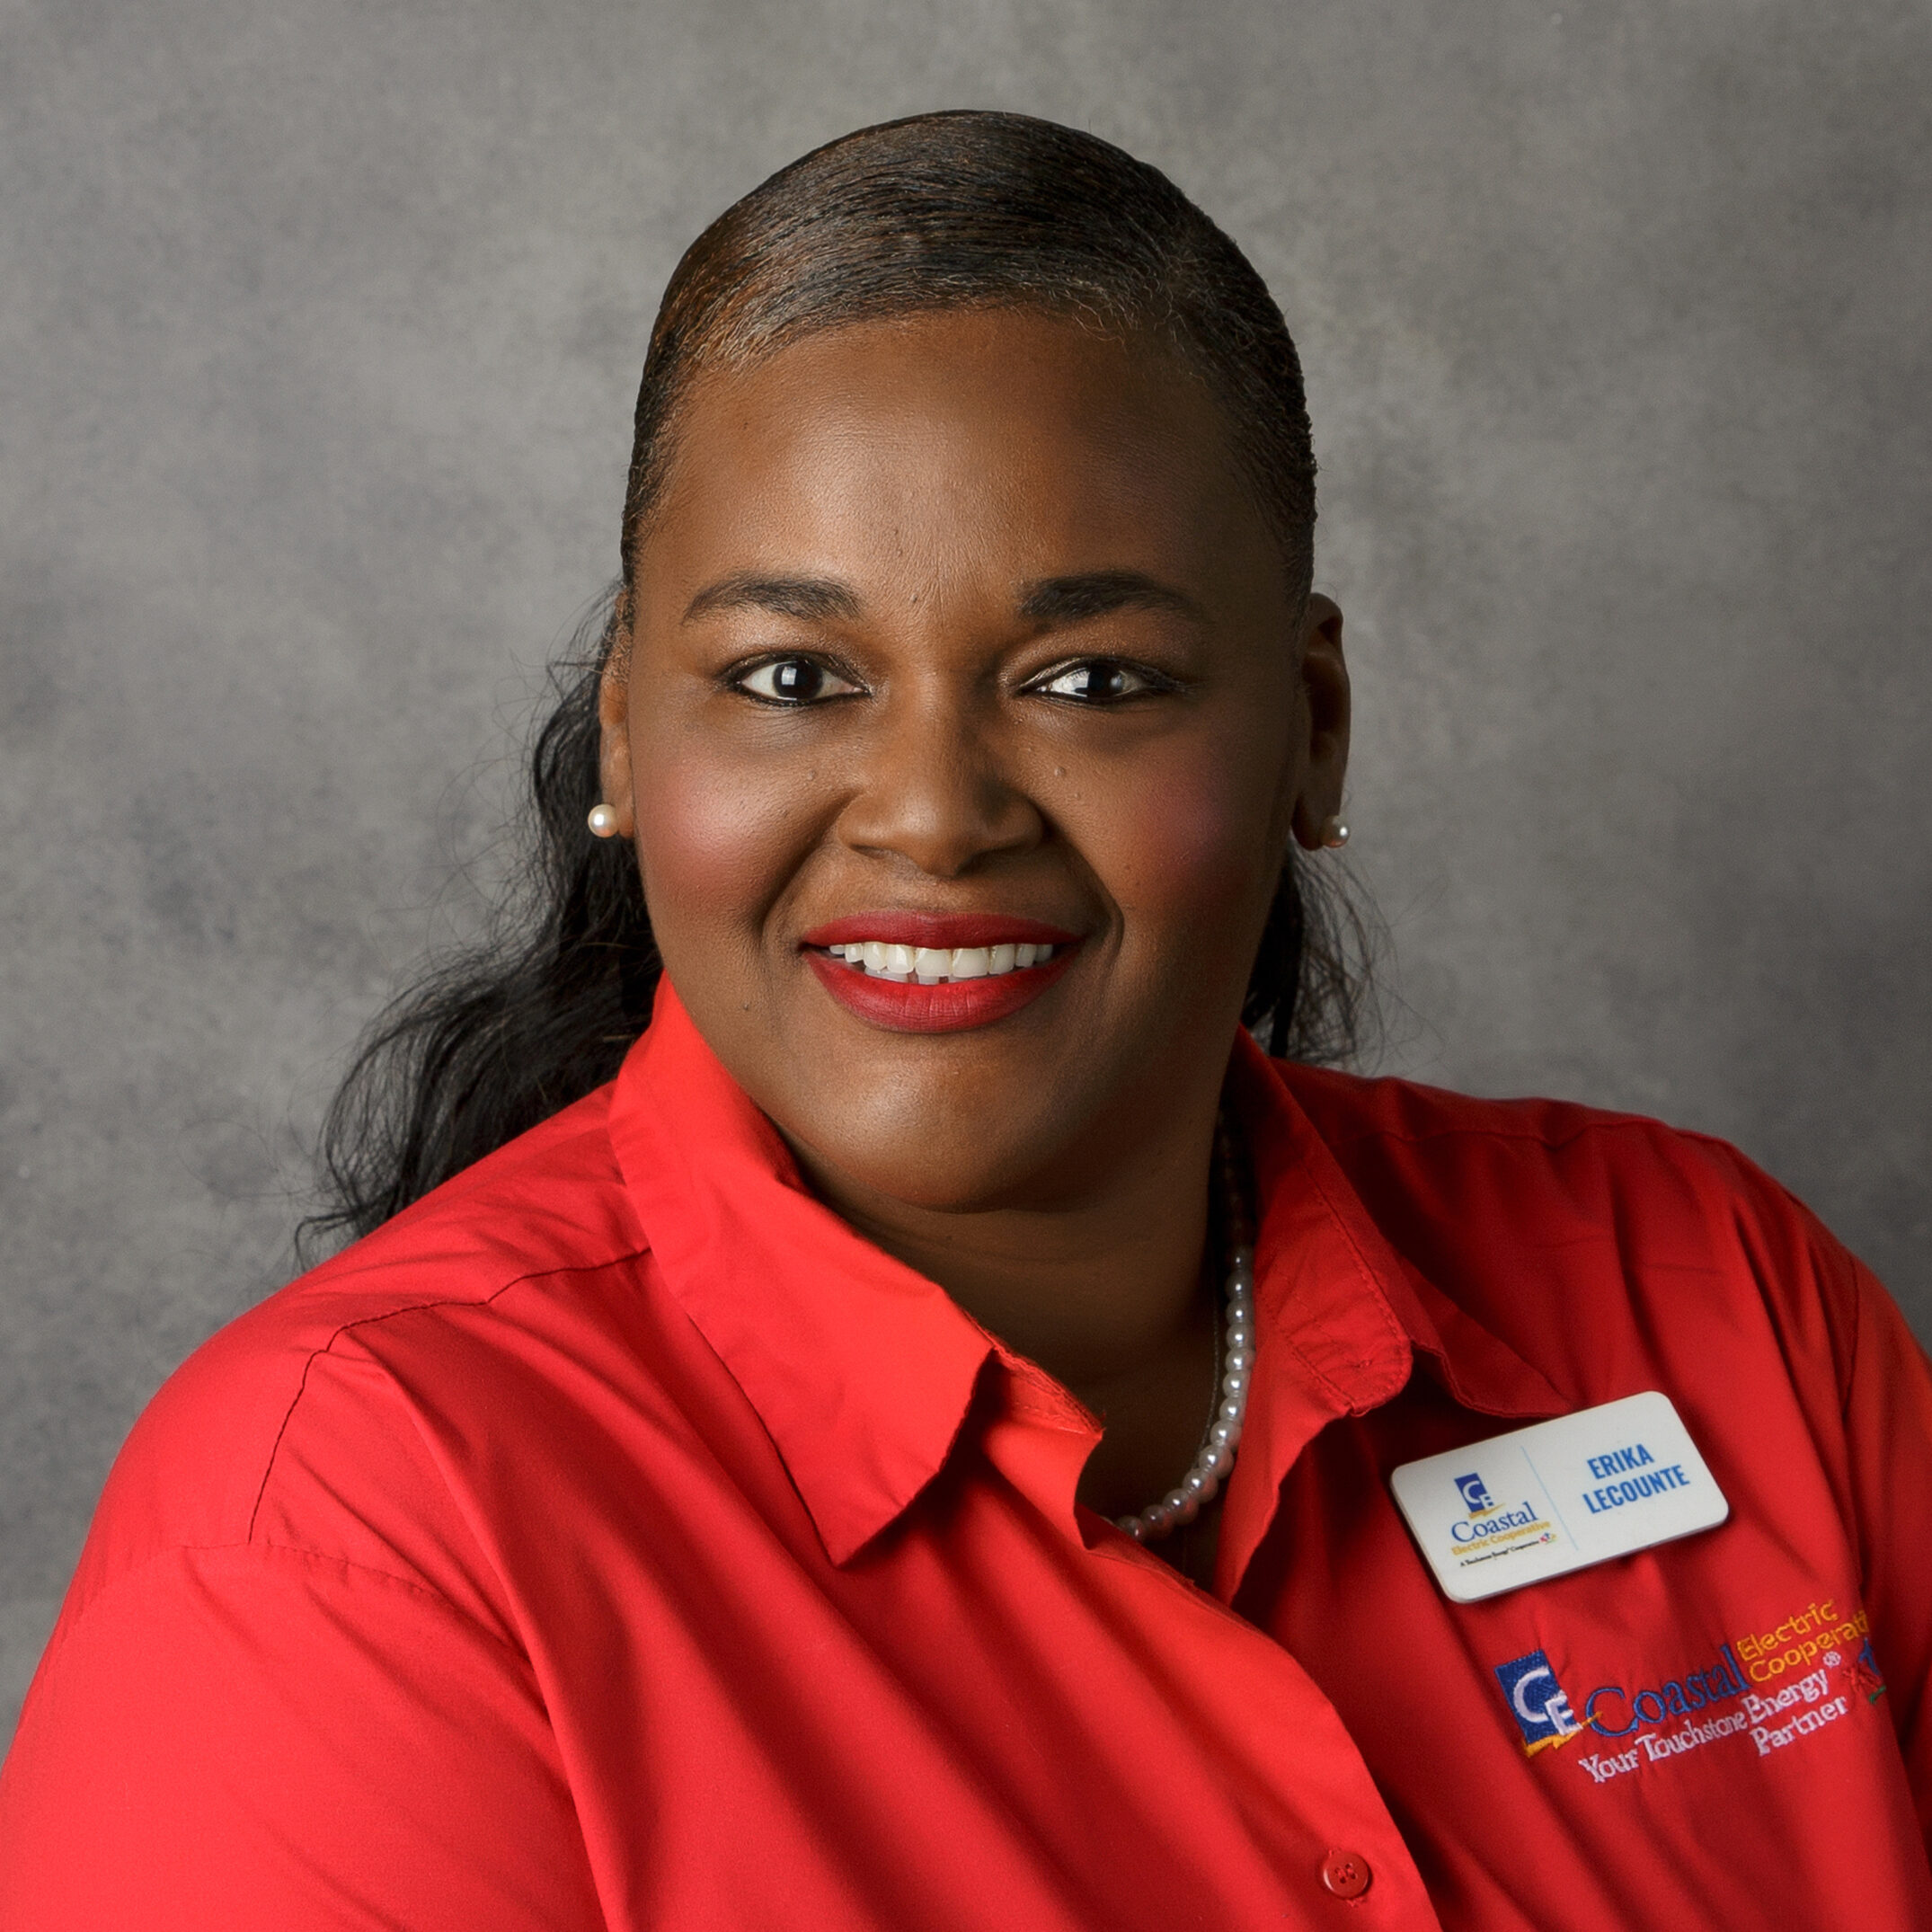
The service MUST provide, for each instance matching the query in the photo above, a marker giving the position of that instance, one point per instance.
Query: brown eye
(792, 681)
(1099, 681)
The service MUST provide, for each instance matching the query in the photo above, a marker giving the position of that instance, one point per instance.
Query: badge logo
(1536, 1702)
(1475, 1495)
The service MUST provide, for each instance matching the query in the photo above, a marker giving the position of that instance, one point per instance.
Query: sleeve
(1887, 1408)
(258, 1736)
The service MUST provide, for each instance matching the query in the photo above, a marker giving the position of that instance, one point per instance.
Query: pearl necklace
(1235, 1356)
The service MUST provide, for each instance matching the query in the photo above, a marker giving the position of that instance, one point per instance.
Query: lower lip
(952, 1006)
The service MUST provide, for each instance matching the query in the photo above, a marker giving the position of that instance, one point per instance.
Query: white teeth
(934, 965)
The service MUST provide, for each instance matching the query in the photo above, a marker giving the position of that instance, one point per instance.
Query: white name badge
(1541, 1501)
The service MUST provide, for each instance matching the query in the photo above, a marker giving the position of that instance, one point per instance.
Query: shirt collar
(1310, 1213)
(1345, 1318)
(860, 1369)
(863, 1371)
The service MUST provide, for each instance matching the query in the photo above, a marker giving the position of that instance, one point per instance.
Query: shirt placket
(1313, 1830)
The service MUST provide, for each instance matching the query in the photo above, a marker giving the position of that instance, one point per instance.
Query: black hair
(951, 211)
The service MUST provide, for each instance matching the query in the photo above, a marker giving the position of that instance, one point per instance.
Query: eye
(1101, 682)
(791, 681)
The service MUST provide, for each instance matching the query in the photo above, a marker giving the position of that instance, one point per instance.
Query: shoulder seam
(414, 1308)
(65, 1631)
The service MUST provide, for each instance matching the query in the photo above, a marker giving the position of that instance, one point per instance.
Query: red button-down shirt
(617, 1540)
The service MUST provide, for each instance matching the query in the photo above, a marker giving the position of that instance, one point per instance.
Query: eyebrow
(1096, 593)
(810, 599)
(1050, 600)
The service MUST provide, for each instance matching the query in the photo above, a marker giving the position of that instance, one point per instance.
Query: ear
(614, 715)
(1325, 683)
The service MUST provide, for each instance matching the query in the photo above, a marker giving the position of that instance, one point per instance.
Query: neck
(1103, 1287)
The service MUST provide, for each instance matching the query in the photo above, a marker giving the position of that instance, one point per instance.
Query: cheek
(717, 841)
(1187, 851)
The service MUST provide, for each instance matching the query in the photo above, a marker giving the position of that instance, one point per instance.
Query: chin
(930, 1145)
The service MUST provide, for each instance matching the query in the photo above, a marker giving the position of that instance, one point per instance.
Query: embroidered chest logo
(1775, 1689)
(1536, 1702)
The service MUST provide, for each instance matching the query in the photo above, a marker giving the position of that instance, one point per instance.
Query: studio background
(320, 325)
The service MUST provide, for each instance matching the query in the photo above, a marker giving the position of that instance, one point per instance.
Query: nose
(935, 791)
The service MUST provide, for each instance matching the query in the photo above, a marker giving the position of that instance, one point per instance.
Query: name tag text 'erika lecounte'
(1558, 1496)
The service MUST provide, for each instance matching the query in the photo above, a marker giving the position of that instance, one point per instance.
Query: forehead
(1009, 442)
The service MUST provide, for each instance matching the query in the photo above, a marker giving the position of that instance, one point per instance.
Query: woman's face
(962, 634)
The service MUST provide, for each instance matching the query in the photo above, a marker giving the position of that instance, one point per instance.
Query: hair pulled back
(949, 210)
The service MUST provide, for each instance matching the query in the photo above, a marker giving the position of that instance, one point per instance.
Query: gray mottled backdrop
(319, 323)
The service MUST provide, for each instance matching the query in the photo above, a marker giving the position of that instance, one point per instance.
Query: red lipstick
(900, 1004)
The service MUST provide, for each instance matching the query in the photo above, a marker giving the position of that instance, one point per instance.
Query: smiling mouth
(897, 971)
(939, 965)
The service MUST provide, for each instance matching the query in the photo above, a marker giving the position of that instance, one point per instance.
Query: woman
(890, 1422)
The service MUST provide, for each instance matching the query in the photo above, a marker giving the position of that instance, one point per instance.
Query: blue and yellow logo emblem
(1536, 1702)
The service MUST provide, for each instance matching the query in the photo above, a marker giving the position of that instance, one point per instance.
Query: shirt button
(1346, 1874)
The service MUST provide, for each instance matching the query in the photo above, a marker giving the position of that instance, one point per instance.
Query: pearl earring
(1335, 834)
(604, 820)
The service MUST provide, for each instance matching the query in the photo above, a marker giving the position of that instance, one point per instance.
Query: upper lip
(950, 930)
